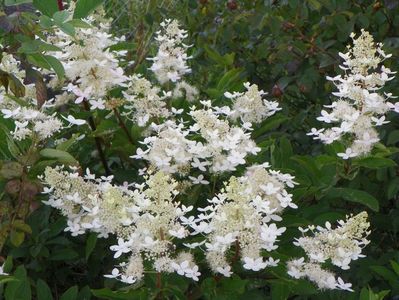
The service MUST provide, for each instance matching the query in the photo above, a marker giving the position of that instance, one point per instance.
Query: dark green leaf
(61, 156)
(20, 289)
(90, 244)
(353, 195)
(47, 62)
(64, 254)
(60, 17)
(16, 86)
(70, 294)
(85, 7)
(43, 291)
(46, 7)
(375, 162)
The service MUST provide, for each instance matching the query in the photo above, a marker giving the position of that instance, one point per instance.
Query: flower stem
(159, 285)
(237, 253)
(97, 140)
(123, 125)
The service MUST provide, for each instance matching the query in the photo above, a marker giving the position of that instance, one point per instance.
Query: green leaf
(90, 244)
(84, 293)
(5, 278)
(393, 137)
(79, 23)
(22, 226)
(364, 294)
(36, 46)
(16, 86)
(353, 195)
(270, 124)
(17, 237)
(8, 264)
(47, 62)
(46, 7)
(375, 162)
(106, 293)
(60, 16)
(67, 28)
(11, 145)
(385, 273)
(56, 227)
(56, 65)
(43, 291)
(68, 143)
(215, 56)
(395, 266)
(20, 289)
(393, 188)
(381, 295)
(70, 294)
(64, 254)
(85, 7)
(61, 156)
(225, 60)
(280, 291)
(314, 4)
(45, 22)
(308, 166)
(105, 127)
(233, 285)
(228, 78)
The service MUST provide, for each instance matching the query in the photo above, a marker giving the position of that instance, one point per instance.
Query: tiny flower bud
(276, 91)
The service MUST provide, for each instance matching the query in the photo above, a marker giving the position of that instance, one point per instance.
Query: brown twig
(97, 140)
(60, 5)
(123, 125)
(237, 253)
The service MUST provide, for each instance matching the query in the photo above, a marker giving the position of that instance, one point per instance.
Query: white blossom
(339, 246)
(170, 63)
(239, 218)
(360, 106)
(249, 106)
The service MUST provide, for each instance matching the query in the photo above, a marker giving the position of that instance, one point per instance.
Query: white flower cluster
(10, 65)
(243, 215)
(249, 106)
(89, 203)
(360, 106)
(146, 220)
(143, 101)
(221, 147)
(170, 63)
(339, 246)
(30, 122)
(90, 67)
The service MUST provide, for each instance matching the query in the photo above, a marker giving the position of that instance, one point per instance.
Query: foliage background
(287, 47)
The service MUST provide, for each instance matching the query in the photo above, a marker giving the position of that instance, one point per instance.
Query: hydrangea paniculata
(339, 246)
(170, 63)
(361, 106)
(243, 217)
(249, 105)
